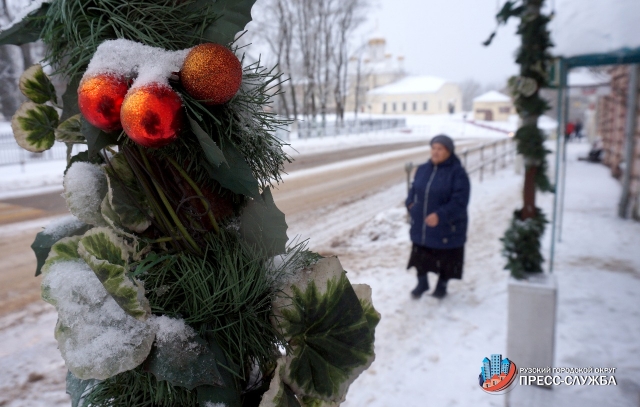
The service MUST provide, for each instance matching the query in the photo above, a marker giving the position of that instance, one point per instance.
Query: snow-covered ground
(429, 352)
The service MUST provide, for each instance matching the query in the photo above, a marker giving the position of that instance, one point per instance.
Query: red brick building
(611, 123)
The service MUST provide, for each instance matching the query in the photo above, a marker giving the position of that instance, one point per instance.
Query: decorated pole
(522, 239)
(173, 280)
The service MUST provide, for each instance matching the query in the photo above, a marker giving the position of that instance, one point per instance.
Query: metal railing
(12, 154)
(503, 151)
(475, 159)
(312, 129)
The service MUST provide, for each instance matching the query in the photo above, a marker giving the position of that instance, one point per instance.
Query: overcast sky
(444, 38)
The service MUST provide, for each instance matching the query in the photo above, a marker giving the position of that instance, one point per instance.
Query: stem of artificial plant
(167, 205)
(195, 187)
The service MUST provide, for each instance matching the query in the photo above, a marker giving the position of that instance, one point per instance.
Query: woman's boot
(423, 285)
(441, 288)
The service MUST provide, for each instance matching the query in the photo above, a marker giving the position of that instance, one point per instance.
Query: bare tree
(311, 41)
(470, 90)
(14, 60)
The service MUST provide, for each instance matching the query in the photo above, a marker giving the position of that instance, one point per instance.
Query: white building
(372, 69)
(416, 95)
(491, 106)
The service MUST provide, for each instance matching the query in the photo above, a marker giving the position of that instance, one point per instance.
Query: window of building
(424, 106)
(393, 106)
(415, 106)
(404, 106)
(505, 109)
(384, 108)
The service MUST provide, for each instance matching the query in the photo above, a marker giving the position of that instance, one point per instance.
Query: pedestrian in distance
(437, 204)
(568, 131)
(578, 130)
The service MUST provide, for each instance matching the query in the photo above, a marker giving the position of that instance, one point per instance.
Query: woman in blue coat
(437, 203)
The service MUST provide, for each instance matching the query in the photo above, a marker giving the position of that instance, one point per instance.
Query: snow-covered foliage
(60, 227)
(96, 337)
(85, 185)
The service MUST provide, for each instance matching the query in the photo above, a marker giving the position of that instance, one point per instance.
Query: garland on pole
(173, 281)
(521, 242)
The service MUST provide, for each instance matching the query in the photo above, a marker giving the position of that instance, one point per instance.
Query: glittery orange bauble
(152, 115)
(211, 73)
(100, 98)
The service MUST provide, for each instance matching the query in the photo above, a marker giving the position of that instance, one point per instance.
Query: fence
(11, 153)
(502, 150)
(357, 126)
(475, 159)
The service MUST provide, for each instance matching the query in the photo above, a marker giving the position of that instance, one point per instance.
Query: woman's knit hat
(445, 140)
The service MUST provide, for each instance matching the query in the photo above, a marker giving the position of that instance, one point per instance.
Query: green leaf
(236, 175)
(126, 197)
(187, 363)
(328, 331)
(96, 138)
(235, 14)
(363, 291)
(65, 249)
(229, 393)
(36, 86)
(70, 99)
(26, 30)
(77, 388)
(214, 155)
(279, 394)
(70, 130)
(107, 255)
(263, 224)
(44, 240)
(34, 125)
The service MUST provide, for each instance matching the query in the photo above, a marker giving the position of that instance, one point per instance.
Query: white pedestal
(531, 321)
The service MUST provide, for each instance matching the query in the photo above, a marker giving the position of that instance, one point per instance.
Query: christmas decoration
(173, 281)
(211, 73)
(522, 239)
(151, 115)
(100, 98)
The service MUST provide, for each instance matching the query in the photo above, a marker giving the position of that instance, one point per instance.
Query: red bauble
(152, 115)
(100, 98)
(211, 73)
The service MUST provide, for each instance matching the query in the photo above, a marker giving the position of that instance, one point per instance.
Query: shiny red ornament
(211, 73)
(100, 98)
(152, 115)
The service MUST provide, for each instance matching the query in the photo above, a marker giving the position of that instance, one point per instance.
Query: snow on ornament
(149, 111)
(211, 73)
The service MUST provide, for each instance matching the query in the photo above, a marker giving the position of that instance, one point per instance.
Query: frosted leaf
(62, 226)
(85, 185)
(107, 255)
(330, 333)
(126, 197)
(180, 356)
(65, 249)
(96, 337)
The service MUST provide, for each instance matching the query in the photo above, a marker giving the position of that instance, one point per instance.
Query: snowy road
(428, 352)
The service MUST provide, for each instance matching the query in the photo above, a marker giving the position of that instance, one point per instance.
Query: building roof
(492, 96)
(411, 84)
